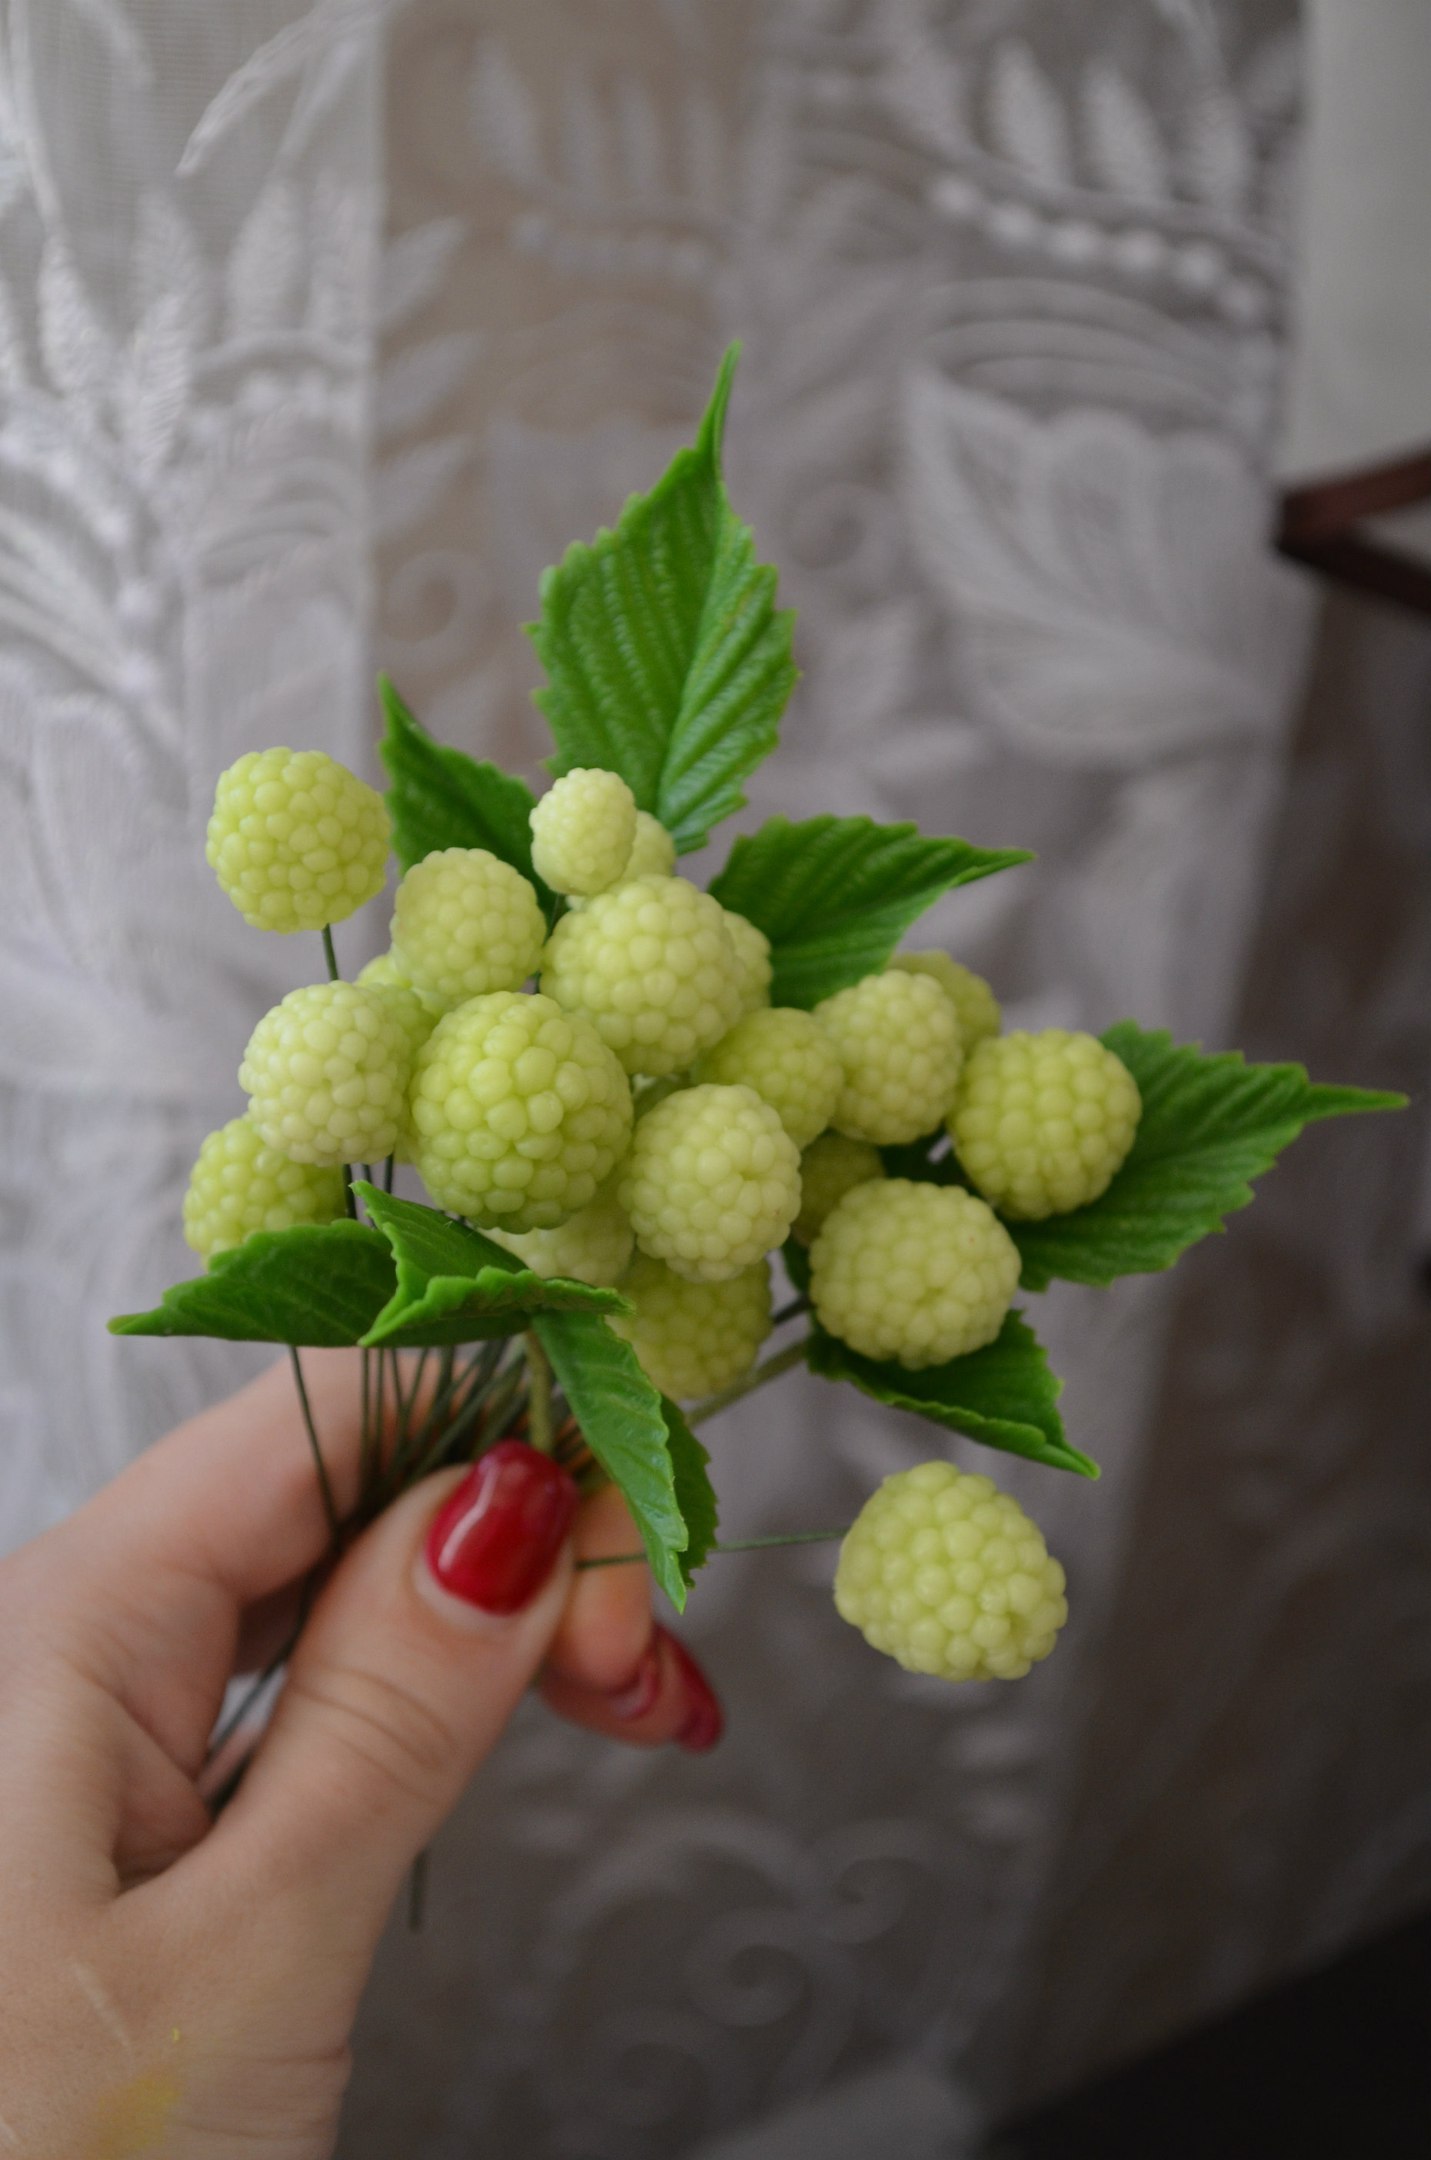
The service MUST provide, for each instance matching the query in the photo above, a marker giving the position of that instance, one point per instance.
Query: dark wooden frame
(1322, 524)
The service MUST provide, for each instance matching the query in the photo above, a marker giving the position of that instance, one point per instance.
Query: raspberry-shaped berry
(296, 840)
(388, 973)
(694, 1337)
(921, 1273)
(947, 1574)
(593, 1246)
(416, 1015)
(1043, 1123)
(975, 1006)
(653, 851)
(519, 1112)
(582, 831)
(788, 1059)
(465, 923)
(712, 1182)
(898, 1042)
(326, 1075)
(650, 965)
(752, 950)
(829, 1168)
(240, 1184)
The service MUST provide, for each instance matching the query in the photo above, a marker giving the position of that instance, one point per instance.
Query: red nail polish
(495, 1539)
(705, 1719)
(636, 1697)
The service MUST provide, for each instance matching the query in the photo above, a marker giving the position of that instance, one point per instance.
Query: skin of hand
(182, 1987)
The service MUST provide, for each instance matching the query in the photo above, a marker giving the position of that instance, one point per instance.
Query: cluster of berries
(644, 1117)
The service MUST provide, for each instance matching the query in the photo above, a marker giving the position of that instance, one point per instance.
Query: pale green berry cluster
(829, 1168)
(788, 1059)
(1043, 1123)
(975, 1006)
(692, 1338)
(899, 1046)
(712, 1182)
(948, 1575)
(592, 1246)
(919, 1273)
(583, 830)
(651, 966)
(240, 1184)
(466, 923)
(296, 840)
(326, 1073)
(519, 1112)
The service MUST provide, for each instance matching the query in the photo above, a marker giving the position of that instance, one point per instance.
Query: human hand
(178, 1985)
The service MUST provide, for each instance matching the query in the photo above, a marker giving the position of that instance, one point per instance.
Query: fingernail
(705, 1719)
(495, 1540)
(638, 1695)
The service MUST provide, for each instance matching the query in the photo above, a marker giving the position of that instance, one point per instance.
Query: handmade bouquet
(636, 1106)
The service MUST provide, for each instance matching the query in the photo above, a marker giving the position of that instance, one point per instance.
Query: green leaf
(456, 1286)
(317, 1284)
(625, 1424)
(695, 1495)
(1210, 1124)
(667, 660)
(835, 895)
(441, 798)
(1004, 1395)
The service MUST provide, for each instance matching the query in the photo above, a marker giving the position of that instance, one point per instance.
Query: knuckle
(386, 1726)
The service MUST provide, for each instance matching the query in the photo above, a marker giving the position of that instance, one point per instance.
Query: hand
(175, 1984)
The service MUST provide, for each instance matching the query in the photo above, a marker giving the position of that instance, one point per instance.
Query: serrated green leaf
(667, 659)
(695, 1495)
(624, 1422)
(454, 1285)
(1210, 1124)
(317, 1285)
(835, 895)
(440, 798)
(1004, 1395)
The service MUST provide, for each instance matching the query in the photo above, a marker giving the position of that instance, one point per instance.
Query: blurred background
(324, 325)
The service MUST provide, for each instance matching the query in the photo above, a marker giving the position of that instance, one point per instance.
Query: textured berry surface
(593, 1246)
(712, 1182)
(296, 840)
(388, 973)
(788, 1059)
(650, 965)
(947, 1574)
(240, 1184)
(898, 1042)
(921, 1273)
(582, 831)
(752, 950)
(692, 1338)
(326, 1075)
(653, 851)
(829, 1168)
(1042, 1123)
(519, 1112)
(975, 1006)
(466, 923)
(415, 1015)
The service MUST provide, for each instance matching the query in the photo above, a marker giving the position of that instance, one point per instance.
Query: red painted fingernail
(638, 1695)
(495, 1539)
(705, 1719)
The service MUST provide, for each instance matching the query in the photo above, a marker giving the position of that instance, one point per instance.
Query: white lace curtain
(322, 329)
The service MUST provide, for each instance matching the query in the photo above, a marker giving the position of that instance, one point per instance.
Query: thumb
(416, 1655)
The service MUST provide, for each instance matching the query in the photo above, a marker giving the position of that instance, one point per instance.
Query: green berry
(326, 1075)
(829, 1168)
(240, 1184)
(388, 973)
(947, 1574)
(653, 851)
(583, 830)
(519, 1112)
(1043, 1123)
(296, 840)
(651, 967)
(712, 1182)
(788, 1059)
(692, 1338)
(416, 1015)
(919, 1273)
(752, 950)
(466, 923)
(975, 1006)
(898, 1041)
(593, 1246)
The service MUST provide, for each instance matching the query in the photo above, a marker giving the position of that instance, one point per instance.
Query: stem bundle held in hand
(629, 1099)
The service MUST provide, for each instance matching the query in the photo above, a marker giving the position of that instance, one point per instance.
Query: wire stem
(750, 1544)
(783, 1361)
(329, 955)
(789, 1312)
(539, 1390)
(330, 1509)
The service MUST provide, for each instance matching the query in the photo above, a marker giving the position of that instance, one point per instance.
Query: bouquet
(661, 1129)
